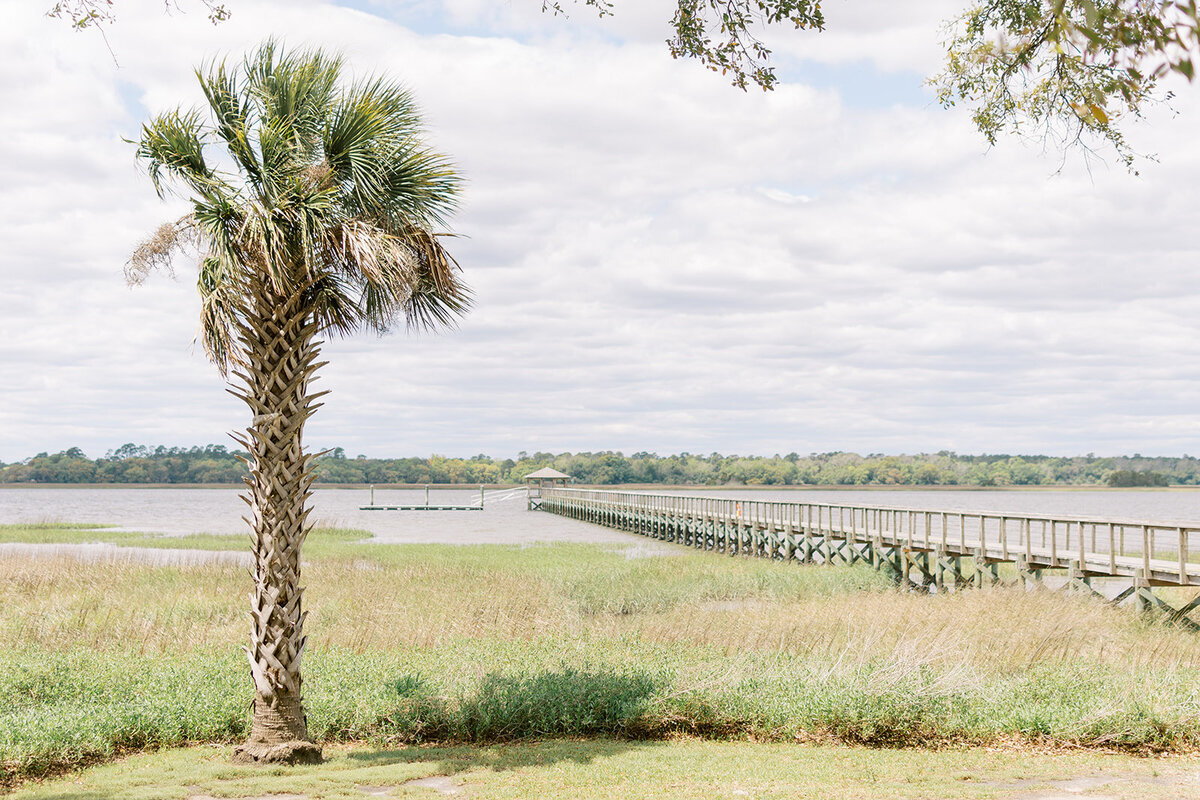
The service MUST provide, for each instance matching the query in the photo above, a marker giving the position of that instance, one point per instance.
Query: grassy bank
(428, 643)
(56, 533)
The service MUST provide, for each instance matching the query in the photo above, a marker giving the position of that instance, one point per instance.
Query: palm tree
(320, 219)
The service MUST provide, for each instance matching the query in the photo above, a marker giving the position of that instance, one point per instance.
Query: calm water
(505, 520)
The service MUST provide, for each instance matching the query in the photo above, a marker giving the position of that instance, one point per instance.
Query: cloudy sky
(661, 261)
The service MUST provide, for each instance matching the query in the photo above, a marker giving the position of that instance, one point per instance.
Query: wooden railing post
(1183, 554)
(1082, 550)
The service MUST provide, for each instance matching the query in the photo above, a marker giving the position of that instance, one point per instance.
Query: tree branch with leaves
(1073, 72)
(84, 14)
(1070, 71)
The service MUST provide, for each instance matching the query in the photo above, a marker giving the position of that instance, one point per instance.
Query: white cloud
(661, 262)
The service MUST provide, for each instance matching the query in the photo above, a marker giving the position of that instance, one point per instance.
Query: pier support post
(922, 562)
(1030, 578)
(986, 573)
(952, 566)
(886, 559)
(1077, 578)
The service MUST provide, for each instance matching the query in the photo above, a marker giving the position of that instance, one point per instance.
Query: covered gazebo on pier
(536, 481)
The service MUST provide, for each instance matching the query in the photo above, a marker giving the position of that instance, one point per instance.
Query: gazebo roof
(546, 472)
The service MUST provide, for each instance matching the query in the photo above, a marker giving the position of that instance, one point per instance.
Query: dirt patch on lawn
(441, 784)
(1112, 786)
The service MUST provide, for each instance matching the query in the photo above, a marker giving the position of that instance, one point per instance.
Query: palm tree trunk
(278, 335)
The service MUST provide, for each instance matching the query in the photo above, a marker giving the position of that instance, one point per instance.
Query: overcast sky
(661, 262)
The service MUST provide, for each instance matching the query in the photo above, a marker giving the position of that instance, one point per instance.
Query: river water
(504, 519)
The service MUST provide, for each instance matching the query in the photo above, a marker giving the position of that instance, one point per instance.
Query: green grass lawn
(604, 768)
(478, 645)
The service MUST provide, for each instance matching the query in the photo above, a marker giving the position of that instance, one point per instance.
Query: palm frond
(220, 306)
(172, 147)
(231, 117)
(438, 297)
(351, 149)
(335, 305)
(423, 187)
(428, 309)
(219, 220)
(360, 251)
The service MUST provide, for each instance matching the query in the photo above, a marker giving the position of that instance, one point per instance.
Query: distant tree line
(132, 463)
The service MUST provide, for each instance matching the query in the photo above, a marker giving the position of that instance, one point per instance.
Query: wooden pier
(925, 550)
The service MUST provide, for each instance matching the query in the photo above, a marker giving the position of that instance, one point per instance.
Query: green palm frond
(172, 147)
(231, 118)
(336, 305)
(422, 186)
(219, 220)
(428, 309)
(294, 94)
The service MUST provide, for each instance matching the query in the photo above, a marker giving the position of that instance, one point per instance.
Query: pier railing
(922, 545)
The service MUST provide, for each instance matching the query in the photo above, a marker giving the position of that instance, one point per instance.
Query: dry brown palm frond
(437, 296)
(438, 267)
(222, 304)
(157, 251)
(362, 247)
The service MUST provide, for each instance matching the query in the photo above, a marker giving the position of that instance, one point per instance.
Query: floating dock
(426, 506)
(421, 508)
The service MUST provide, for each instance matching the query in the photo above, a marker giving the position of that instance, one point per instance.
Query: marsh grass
(439, 643)
(65, 533)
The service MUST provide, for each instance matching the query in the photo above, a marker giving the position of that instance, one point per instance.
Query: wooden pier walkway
(922, 549)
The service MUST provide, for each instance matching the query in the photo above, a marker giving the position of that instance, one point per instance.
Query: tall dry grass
(429, 596)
